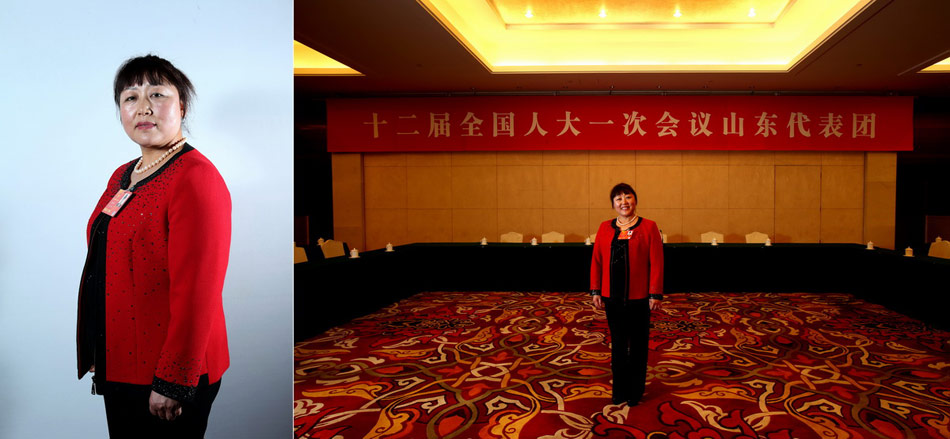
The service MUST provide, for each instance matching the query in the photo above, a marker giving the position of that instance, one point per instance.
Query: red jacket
(645, 257)
(167, 253)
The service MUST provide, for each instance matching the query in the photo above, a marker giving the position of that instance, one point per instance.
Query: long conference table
(333, 291)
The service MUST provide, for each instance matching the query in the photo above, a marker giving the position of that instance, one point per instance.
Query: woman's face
(625, 204)
(151, 114)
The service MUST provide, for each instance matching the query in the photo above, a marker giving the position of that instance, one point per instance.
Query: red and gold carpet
(537, 365)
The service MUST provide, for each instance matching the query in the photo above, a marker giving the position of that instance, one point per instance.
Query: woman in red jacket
(151, 322)
(626, 278)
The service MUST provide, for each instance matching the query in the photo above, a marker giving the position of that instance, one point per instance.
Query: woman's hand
(598, 302)
(163, 406)
(654, 304)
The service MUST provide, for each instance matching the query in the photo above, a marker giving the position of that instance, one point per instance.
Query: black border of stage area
(331, 292)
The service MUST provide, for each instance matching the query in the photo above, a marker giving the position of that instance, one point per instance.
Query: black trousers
(629, 324)
(128, 416)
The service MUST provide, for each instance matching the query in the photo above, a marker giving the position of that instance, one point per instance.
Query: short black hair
(154, 70)
(622, 188)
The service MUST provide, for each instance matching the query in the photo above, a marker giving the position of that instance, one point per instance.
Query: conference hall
(467, 263)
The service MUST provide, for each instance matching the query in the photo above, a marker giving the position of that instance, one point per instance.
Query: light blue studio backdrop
(60, 139)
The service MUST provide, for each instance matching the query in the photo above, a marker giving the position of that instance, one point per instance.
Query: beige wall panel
(429, 159)
(474, 187)
(670, 221)
(471, 225)
(798, 187)
(569, 158)
(598, 216)
(386, 187)
(430, 225)
(659, 186)
(384, 226)
(352, 236)
(660, 158)
(842, 225)
(573, 223)
(797, 225)
(879, 213)
(881, 166)
(565, 186)
(842, 187)
(475, 158)
(743, 221)
(793, 196)
(705, 157)
(604, 178)
(797, 158)
(842, 158)
(524, 221)
(613, 158)
(384, 159)
(519, 186)
(751, 158)
(347, 172)
(699, 221)
(429, 187)
(751, 186)
(519, 158)
(705, 186)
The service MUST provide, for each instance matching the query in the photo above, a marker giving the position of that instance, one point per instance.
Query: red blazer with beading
(645, 258)
(167, 253)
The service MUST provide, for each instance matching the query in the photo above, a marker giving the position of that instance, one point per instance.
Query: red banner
(524, 123)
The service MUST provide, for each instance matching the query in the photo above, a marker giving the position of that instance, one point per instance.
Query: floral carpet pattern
(537, 365)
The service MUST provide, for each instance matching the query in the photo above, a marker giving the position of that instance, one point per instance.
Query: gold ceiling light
(642, 36)
(309, 62)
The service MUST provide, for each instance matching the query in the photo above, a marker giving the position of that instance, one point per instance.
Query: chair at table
(552, 237)
(593, 237)
(939, 249)
(512, 237)
(756, 238)
(709, 236)
(300, 255)
(333, 249)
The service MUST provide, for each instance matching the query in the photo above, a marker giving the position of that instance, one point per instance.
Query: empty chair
(552, 237)
(663, 236)
(300, 255)
(756, 238)
(709, 236)
(939, 249)
(512, 237)
(592, 237)
(333, 249)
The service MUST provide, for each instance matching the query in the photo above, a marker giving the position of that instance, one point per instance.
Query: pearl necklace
(624, 224)
(141, 170)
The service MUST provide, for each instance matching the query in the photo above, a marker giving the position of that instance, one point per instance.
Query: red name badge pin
(625, 234)
(117, 202)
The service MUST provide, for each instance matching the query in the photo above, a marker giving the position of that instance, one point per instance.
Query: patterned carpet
(537, 365)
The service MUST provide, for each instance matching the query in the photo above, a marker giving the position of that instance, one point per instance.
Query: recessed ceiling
(647, 13)
(310, 62)
(938, 67)
(403, 49)
(510, 36)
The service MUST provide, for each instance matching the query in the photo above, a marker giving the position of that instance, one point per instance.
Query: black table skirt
(330, 292)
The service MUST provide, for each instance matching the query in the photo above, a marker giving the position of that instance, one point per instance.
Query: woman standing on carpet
(626, 278)
(151, 322)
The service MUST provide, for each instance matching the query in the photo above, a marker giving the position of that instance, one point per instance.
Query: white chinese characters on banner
(503, 125)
